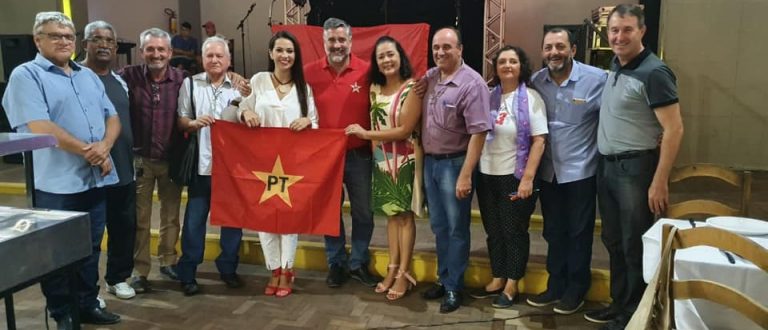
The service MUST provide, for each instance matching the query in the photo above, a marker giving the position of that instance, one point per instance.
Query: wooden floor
(313, 306)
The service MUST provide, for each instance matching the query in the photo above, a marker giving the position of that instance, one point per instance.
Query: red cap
(209, 24)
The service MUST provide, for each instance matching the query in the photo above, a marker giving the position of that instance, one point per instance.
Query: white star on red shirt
(355, 87)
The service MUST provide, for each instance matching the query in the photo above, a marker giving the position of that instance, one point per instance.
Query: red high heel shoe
(270, 290)
(289, 275)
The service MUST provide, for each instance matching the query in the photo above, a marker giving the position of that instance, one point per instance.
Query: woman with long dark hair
(508, 166)
(397, 168)
(280, 98)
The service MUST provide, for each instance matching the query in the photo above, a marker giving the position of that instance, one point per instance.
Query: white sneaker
(102, 303)
(122, 290)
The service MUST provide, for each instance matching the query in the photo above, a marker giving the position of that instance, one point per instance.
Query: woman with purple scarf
(508, 165)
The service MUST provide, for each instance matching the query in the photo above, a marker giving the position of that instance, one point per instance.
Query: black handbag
(183, 157)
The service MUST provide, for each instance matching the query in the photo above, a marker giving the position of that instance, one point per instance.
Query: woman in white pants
(280, 98)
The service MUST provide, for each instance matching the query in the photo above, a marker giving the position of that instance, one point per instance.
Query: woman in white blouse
(280, 98)
(508, 164)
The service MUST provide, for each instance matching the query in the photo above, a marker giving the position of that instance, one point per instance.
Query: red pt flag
(277, 180)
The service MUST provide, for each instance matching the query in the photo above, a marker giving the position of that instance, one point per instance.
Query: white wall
(131, 17)
(714, 48)
(228, 13)
(18, 16)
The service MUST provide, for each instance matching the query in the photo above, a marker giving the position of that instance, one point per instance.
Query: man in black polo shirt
(639, 134)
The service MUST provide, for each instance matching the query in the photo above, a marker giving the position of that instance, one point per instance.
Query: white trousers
(279, 249)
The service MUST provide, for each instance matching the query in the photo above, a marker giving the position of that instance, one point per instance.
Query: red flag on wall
(276, 180)
(413, 38)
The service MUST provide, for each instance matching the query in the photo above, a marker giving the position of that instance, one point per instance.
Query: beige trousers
(147, 173)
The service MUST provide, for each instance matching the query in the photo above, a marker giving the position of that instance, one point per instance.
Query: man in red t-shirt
(340, 86)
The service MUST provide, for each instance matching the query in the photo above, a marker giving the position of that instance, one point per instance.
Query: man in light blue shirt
(571, 91)
(54, 95)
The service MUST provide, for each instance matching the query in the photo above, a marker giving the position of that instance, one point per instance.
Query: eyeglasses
(98, 40)
(59, 36)
(155, 94)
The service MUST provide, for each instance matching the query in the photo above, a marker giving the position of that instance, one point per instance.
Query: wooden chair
(742, 180)
(656, 309)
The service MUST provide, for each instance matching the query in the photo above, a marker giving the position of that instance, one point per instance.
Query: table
(44, 250)
(708, 263)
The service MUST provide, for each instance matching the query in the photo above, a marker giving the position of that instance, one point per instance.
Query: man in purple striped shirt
(153, 91)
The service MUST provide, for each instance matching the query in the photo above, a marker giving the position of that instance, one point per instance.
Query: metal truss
(493, 33)
(295, 14)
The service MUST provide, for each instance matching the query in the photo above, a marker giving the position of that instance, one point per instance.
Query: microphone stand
(241, 27)
(272, 5)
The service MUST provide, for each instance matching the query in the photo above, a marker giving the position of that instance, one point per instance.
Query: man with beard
(454, 126)
(100, 46)
(638, 138)
(53, 95)
(571, 91)
(153, 92)
(341, 88)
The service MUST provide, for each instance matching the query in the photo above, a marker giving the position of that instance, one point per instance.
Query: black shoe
(568, 306)
(232, 280)
(169, 272)
(336, 276)
(451, 302)
(64, 323)
(480, 293)
(618, 323)
(98, 315)
(141, 284)
(543, 299)
(604, 315)
(434, 292)
(365, 277)
(504, 301)
(190, 289)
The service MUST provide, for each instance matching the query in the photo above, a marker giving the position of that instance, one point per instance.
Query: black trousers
(121, 230)
(622, 192)
(569, 223)
(506, 224)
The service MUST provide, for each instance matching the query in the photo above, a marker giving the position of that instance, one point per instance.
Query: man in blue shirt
(571, 91)
(53, 95)
(185, 49)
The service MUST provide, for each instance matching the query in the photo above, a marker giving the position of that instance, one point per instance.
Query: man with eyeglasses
(100, 50)
(153, 93)
(53, 95)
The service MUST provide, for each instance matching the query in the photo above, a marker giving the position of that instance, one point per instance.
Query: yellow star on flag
(277, 182)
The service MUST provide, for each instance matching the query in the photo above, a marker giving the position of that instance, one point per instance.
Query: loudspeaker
(14, 50)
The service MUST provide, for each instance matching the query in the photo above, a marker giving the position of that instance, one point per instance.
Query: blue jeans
(193, 234)
(449, 218)
(56, 288)
(357, 179)
(622, 194)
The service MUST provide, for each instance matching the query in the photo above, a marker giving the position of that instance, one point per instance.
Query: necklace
(282, 87)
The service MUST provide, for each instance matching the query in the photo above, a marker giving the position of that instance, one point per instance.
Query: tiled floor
(313, 306)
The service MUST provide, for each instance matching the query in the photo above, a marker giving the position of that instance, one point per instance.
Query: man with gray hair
(153, 93)
(202, 101)
(100, 46)
(341, 88)
(53, 95)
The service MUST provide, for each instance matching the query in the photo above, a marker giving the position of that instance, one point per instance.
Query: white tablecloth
(707, 263)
